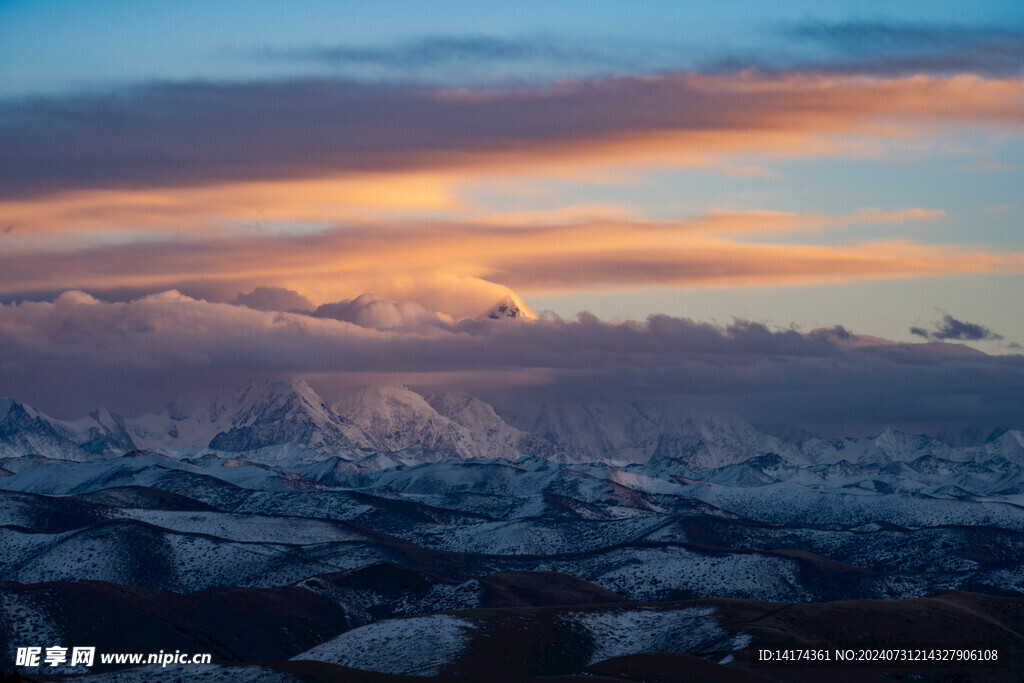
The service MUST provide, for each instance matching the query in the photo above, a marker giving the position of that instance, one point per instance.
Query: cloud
(899, 48)
(78, 352)
(871, 36)
(274, 299)
(861, 35)
(868, 47)
(836, 333)
(370, 310)
(462, 268)
(228, 209)
(439, 50)
(951, 329)
(169, 135)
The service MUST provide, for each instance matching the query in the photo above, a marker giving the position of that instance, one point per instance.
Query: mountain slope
(24, 431)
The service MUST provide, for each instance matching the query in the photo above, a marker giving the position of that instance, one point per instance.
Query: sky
(846, 174)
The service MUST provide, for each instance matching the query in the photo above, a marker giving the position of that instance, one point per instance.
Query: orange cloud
(459, 268)
(746, 222)
(720, 263)
(239, 207)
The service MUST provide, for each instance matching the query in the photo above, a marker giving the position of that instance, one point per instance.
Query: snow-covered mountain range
(284, 421)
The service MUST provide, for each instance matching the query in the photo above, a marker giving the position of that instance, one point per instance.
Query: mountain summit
(510, 307)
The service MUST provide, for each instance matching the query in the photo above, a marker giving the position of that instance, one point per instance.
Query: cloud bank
(77, 352)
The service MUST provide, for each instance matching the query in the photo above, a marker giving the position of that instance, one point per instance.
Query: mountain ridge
(385, 426)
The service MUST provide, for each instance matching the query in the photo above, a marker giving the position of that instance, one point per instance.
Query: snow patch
(419, 646)
(692, 631)
(28, 620)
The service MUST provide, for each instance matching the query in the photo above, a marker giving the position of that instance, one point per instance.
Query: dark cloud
(841, 332)
(197, 134)
(76, 352)
(274, 299)
(951, 329)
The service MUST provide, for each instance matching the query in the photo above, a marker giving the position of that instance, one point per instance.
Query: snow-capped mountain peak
(25, 431)
(261, 415)
(278, 421)
(510, 307)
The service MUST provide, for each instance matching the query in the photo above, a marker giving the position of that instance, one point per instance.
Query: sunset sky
(765, 166)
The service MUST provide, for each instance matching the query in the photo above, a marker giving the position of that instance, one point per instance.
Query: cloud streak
(439, 50)
(886, 48)
(877, 48)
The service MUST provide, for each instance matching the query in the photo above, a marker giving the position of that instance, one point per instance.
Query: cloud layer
(77, 352)
(462, 268)
(327, 187)
(196, 134)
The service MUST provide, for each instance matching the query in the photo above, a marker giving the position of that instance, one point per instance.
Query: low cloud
(370, 310)
(76, 352)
